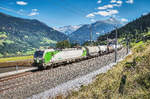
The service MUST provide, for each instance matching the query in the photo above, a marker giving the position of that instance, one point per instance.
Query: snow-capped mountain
(68, 29)
(98, 28)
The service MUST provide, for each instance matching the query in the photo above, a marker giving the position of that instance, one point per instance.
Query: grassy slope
(15, 58)
(135, 67)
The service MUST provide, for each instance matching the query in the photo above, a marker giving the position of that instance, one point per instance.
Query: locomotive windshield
(38, 54)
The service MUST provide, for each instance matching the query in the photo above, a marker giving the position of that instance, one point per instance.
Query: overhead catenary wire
(76, 11)
(70, 9)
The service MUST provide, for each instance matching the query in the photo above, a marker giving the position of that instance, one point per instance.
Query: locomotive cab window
(39, 54)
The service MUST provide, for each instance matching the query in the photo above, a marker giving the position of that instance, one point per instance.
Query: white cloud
(35, 10)
(105, 7)
(109, 6)
(97, 33)
(116, 1)
(107, 13)
(91, 15)
(124, 20)
(108, 9)
(21, 3)
(119, 2)
(99, 1)
(21, 11)
(6, 9)
(113, 1)
(130, 1)
(117, 5)
(103, 13)
(13, 11)
(33, 13)
(93, 20)
(145, 13)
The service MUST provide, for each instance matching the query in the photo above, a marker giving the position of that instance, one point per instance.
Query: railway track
(28, 84)
(8, 80)
(7, 74)
(14, 81)
(4, 85)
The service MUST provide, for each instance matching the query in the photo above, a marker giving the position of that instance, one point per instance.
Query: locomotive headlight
(37, 60)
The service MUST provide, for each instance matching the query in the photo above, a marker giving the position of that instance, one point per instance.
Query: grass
(129, 79)
(15, 58)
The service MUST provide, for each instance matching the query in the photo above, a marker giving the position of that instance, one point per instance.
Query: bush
(144, 80)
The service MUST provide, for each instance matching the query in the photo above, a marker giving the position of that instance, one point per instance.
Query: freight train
(53, 57)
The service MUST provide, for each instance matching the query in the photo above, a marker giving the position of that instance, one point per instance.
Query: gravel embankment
(48, 79)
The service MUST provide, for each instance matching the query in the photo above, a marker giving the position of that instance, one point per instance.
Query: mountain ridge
(68, 29)
(23, 35)
(98, 28)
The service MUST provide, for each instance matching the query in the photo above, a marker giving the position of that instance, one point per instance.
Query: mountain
(132, 30)
(68, 29)
(98, 28)
(19, 35)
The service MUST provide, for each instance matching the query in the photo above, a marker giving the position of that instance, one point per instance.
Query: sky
(58, 13)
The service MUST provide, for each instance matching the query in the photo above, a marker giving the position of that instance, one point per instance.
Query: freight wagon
(52, 57)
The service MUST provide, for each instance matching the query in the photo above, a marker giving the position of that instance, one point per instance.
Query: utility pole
(116, 43)
(68, 40)
(91, 34)
(107, 39)
(127, 43)
(107, 43)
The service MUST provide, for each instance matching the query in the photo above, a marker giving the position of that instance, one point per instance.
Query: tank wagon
(53, 57)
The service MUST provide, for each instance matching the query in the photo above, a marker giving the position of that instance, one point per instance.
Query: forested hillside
(20, 36)
(132, 30)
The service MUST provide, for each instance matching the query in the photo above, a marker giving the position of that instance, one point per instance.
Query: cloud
(93, 20)
(99, 1)
(105, 7)
(145, 13)
(130, 1)
(109, 6)
(21, 3)
(6, 9)
(97, 33)
(21, 11)
(91, 15)
(34, 12)
(124, 20)
(13, 11)
(119, 2)
(107, 13)
(113, 1)
(116, 1)
(103, 13)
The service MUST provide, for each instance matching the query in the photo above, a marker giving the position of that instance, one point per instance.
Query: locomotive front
(38, 57)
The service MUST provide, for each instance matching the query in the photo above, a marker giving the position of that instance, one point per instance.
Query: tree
(63, 44)
(75, 44)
